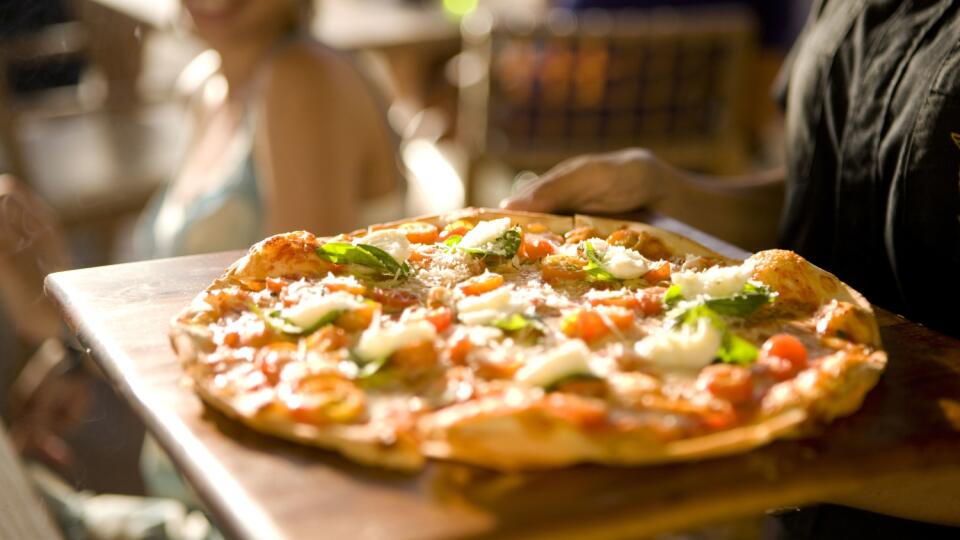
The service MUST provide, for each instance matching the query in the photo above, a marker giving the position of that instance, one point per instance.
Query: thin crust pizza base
(505, 440)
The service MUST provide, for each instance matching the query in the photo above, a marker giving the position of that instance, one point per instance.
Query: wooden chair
(562, 85)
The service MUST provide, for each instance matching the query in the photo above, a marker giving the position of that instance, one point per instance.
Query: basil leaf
(736, 350)
(673, 295)
(371, 368)
(594, 268)
(517, 322)
(742, 304)
(506, 245)
(388, 262)
(453, 241)
(363, 255)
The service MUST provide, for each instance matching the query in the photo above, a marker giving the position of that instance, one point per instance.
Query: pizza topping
(563, 267)
(485, 232)
(536, 246)
(419, 232)
(314, 310)
(379, 342)
(457, 228)
(731, 383)
(717, 281)
(783, 355)
(493, 238)
(481, 284)
(690, 346)
(323, 399)
(742, 304)
(392, 241)
(647, 244)
(608, 262)
(569, 358)
(488, 307)
(370, 259)
(592, 325)
(733, 348)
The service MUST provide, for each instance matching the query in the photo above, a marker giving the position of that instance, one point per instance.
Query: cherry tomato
(651, 300)
(458, 350)
(271, 359)
(658, 274)
(536, 246)
(562, 267)
(457, 228)
(415, 357)
(732, 383)
(592, 325)
(784, 355)
(358, 319)
(440, 318)
(420, 233)
(481, 284)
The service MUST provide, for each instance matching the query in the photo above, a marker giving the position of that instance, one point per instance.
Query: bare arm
(630, 179)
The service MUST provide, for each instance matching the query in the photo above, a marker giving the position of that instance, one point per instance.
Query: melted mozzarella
(487, 307)
(485, 232)
(570, 358)
(392, 241)
(687, 347)
(716, 281)
(313, 307)
(621, 262)
(378, 342)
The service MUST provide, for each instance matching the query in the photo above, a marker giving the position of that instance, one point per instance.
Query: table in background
(260, 487)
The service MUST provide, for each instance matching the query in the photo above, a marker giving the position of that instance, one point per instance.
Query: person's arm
(311, 143)
(744, 209)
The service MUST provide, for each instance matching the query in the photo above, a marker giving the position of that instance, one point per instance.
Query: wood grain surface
(258, 487)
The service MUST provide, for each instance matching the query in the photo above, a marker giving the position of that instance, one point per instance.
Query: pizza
(520, 341)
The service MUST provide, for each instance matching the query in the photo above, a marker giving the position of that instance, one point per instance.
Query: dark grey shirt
(872, 96)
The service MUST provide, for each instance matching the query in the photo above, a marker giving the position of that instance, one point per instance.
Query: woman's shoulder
(308, 70)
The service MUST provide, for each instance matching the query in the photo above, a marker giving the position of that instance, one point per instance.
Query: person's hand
(609, 183)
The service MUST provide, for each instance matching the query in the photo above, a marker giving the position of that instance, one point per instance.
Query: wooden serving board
(259, 487)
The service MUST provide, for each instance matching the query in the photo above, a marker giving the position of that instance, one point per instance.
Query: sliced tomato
(651, 300)
(592, 325)
(358, 319)
(440, 318)
(559, 267)
(483, 283)
(536, 246)
(415, 357)
(458, 350)
(728, 382)
(457, 228)
(419, 232)
(658, 274)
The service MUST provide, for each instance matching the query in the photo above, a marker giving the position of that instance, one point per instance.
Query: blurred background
(95, 121)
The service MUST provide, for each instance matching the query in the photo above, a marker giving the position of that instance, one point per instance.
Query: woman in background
(287, 136)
